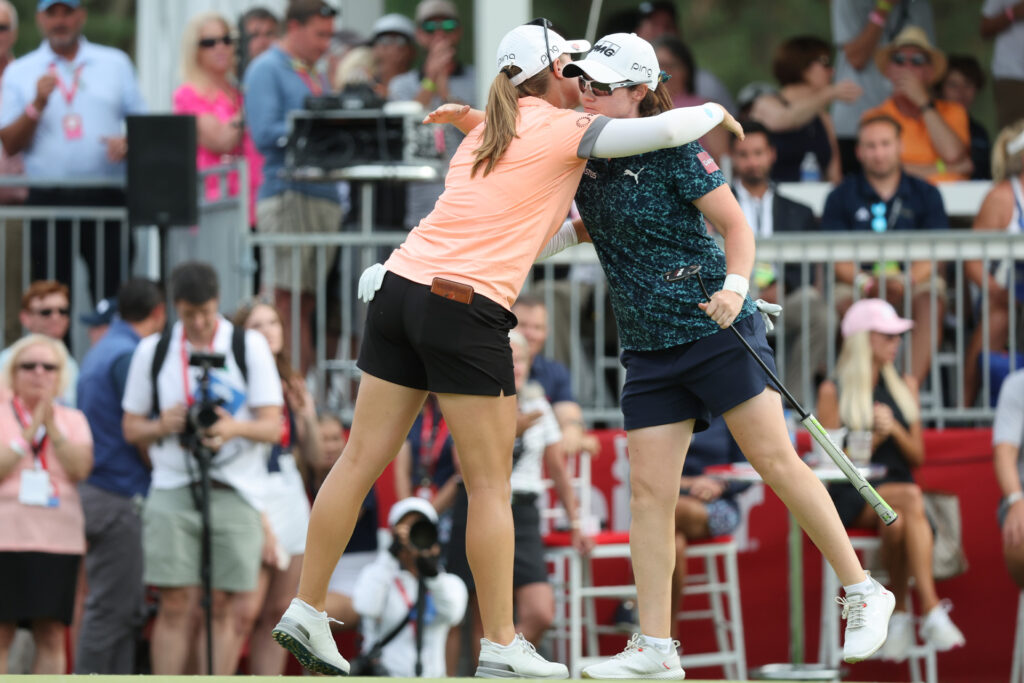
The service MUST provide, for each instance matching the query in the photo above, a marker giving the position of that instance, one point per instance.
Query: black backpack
(160, 354)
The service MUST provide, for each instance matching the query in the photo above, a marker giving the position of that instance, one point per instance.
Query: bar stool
(719, 580)
(830, 653)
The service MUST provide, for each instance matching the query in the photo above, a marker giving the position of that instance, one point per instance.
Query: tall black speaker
(162, 178)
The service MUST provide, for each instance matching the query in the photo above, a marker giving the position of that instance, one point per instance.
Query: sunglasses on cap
(207, 43)
(825, 61)
(602, 89)
(916, 59)
(435, 25)
(545, 24)
(47, 312)
(32, 366)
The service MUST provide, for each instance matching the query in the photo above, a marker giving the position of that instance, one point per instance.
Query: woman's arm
(828, 405)
(994, 25)
(721, 208)
(459, 115)
(994, 214)
(220, 137)
(834, 172)
(74, 457)
(910, 440)
(554, 462)
(8, 459)
(627, 137)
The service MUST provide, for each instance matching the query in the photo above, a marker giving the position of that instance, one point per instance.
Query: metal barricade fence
(582, 332)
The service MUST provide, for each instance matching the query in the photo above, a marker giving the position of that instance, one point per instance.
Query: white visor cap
(523, 46)
(618, 58)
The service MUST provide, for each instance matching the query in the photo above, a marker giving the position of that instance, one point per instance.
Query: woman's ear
(639, 94)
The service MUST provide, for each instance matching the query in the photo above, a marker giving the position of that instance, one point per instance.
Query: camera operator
(386, 593)
(173, 420)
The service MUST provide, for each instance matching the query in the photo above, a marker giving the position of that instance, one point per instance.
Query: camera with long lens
(422, 537)
(203, 413)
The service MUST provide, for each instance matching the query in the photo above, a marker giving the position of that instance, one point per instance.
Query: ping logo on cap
(645, 70)
(607, 48)
(508, 57)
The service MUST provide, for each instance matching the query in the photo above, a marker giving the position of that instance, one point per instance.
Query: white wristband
(736, 283)
(563, 239)
(1010, 499)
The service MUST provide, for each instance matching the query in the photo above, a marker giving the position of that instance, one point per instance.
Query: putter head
(684, 273)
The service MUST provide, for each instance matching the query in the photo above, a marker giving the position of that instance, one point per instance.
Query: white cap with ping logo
(523, 46)
(618, 58)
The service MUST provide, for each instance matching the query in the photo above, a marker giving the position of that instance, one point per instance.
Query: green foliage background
(734, 39)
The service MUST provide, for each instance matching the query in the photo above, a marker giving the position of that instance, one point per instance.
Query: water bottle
(810, 172)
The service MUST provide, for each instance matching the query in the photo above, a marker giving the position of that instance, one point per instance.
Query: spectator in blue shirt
(881, 198)
(532, 315)
(276, 83)
(63, 105)
(112, 493)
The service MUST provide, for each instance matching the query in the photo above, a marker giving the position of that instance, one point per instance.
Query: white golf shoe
(900, 639)
(641, 660)
(517, 660)
(306, 633)
(867, 621)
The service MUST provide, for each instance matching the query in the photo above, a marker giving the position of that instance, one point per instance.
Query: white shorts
(286, 506)
(343, 580)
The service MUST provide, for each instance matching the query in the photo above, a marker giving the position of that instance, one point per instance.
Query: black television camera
(422, 537)
(203, 413)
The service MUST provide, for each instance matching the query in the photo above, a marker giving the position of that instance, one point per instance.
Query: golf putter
(818, 433)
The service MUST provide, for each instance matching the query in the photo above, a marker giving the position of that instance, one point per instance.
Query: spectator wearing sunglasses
(882, 197)
(442, 78)
(936, 133)
(45, 450)
(796, 114)
(509, 186)
(46, 310)
(209, 93)
(276, 83)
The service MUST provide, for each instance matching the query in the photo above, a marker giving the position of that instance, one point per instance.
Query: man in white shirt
(249, 419)
(386, 593)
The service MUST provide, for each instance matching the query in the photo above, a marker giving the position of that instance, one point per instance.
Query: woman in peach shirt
(45, 449)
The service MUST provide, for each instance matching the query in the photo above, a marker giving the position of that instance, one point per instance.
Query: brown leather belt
(456, 291)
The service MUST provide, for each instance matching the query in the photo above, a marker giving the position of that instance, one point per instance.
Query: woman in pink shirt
(45, 449)
(210, 94)
(440, 323)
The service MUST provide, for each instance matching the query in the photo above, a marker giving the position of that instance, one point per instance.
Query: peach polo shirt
(29, 528)
(917, 144)
(486, 231)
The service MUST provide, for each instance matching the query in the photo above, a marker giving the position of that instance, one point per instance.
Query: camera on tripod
(203, 413)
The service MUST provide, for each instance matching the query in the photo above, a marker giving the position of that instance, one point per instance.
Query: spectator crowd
(99, 483)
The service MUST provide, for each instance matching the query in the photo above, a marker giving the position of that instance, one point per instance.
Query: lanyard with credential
(68, 92)
(38, 443)
(306, 74)
(433, 435)
(189, 398)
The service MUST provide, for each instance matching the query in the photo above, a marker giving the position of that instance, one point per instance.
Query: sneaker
(306, 633)
(867, 621)
(518, 660)
(625, 618)
(939, 631)
(640, 659)
(901, 637)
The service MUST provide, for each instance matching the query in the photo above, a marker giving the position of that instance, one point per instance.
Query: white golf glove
(370, 281)
(767, 310)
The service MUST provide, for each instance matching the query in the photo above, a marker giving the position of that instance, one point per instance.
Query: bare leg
(7, 630)
(384, 414)
(265, 659)
(655, 465)
(1014, 557)
(225, 657)
(247, 608)
(535, 605)
(759, 428)
(999, 325)
(910, 502)
(483, 428)
(691, 523)
(173, 630)
(452, 649)
(51, 657)
(678, 582)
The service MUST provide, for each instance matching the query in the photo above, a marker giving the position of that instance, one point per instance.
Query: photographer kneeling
(229, 406)
(386, 594)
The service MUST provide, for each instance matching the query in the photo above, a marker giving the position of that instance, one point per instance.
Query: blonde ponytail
(856, 394)
(502, 115)
(1005, 165)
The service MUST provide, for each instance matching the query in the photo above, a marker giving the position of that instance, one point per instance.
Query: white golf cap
(523, 46)
(408, 505)
(394, 23)
(619, 57)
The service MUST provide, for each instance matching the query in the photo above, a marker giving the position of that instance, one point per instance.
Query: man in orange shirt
(936, 133)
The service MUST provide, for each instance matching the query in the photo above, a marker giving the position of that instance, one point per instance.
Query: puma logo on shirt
(636, 175)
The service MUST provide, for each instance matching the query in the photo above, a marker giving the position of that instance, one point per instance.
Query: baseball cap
(523, 46)
(619, 57)
(409, 505)
(102, 315)
(47, 4)
(874, 315)
(435, 8)
(394, 23)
